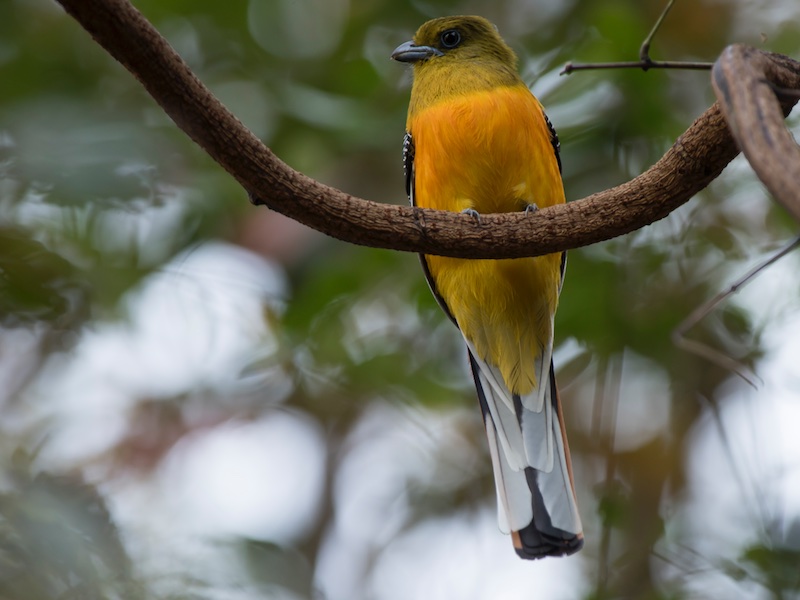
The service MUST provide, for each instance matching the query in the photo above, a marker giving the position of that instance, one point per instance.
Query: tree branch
(696, 158)
(748, 86)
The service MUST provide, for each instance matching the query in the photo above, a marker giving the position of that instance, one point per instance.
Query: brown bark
(756, 90)
(696, 158)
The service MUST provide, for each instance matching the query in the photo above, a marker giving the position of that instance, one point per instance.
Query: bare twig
(645, 63)
(644, 51)
(701, 312)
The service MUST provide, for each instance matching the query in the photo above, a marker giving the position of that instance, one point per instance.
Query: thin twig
(701, 312)
(644, 51)
(645, 63)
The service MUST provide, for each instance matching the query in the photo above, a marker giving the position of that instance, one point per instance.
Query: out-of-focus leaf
(37, 284)
(58, 540)
(272, 566)
(776, 568)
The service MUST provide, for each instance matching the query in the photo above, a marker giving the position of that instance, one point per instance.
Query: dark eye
(450, 38)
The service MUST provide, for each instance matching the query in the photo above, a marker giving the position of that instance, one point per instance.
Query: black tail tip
(544, 545)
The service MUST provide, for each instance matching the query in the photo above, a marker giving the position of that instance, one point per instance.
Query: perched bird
(478, 141)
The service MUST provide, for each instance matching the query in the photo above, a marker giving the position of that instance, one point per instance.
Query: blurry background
(201, 399)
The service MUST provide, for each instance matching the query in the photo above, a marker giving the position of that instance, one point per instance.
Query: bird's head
(464, 39)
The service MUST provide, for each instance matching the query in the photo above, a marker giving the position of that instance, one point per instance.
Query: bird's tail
(532, 467)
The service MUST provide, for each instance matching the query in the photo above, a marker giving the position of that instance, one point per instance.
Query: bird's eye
(450, 38)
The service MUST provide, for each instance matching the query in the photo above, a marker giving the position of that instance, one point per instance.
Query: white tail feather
(536, 501)
(506, 426)
(527, 439)
(514, 508)
(556, 488)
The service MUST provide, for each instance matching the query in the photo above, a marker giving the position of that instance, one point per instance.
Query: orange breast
(490, 151)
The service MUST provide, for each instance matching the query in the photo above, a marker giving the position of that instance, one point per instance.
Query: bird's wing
(408, 166)
(408, 170)
(554, 140)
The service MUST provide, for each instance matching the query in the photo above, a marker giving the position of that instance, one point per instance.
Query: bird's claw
(531, 208)
(472, 213)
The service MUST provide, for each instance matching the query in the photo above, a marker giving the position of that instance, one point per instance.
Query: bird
(478, 141)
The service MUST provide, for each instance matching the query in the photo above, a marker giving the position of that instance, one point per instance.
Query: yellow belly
(491, 152)
(504, 308)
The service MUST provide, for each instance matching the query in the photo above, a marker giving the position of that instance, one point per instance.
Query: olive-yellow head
(455, 56)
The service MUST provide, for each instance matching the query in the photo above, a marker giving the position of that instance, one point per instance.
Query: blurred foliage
(37, 284)
(58, 540)
(100, 193)
(775, 568)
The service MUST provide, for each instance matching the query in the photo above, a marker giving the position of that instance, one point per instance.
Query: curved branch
(696, 158)
(747, 83)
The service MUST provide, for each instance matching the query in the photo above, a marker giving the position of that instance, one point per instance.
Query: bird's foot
(472, 213)
(531, 208)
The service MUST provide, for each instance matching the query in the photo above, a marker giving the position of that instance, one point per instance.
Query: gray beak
(408, 52)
